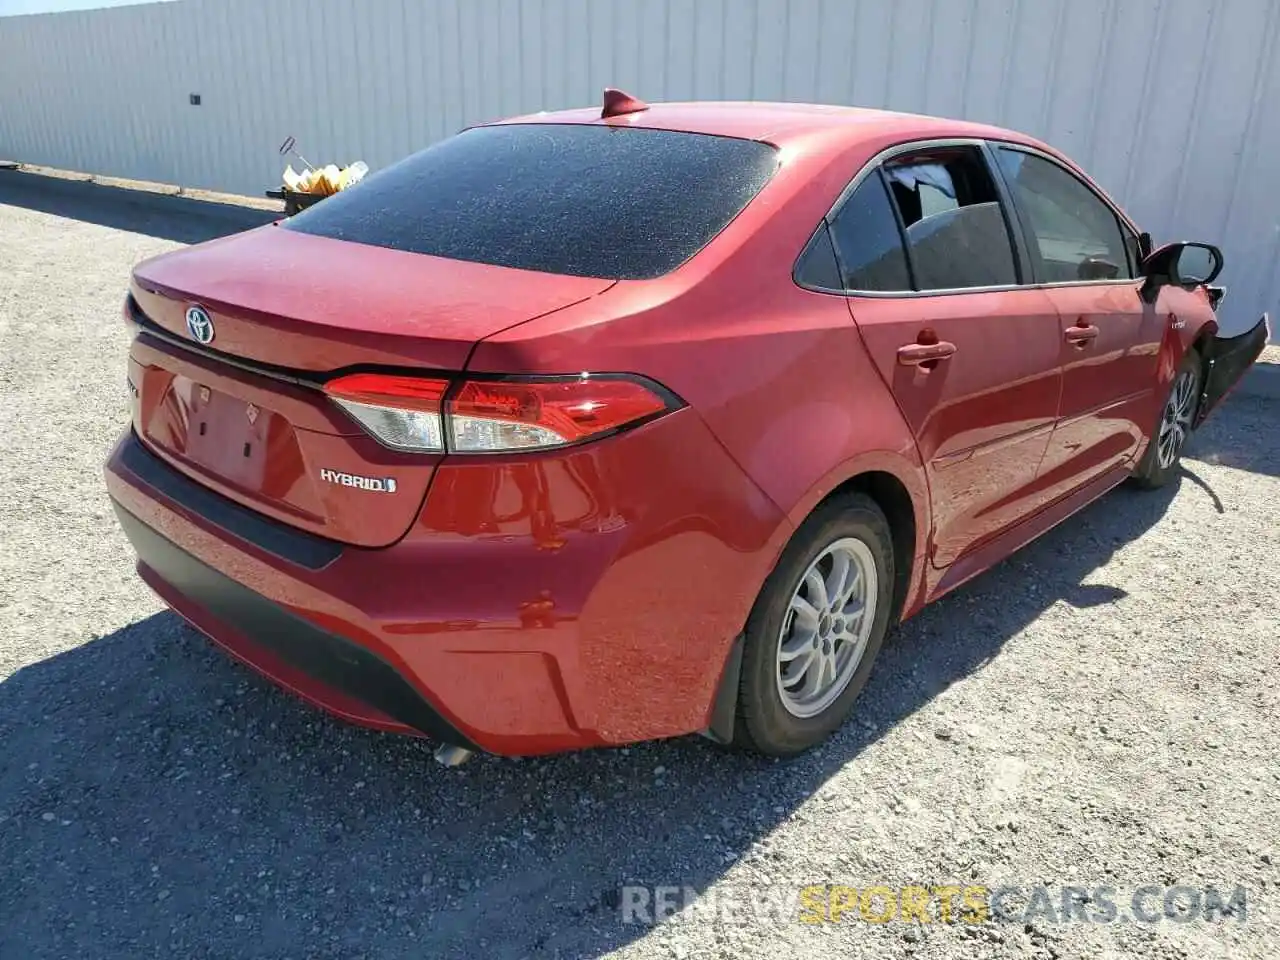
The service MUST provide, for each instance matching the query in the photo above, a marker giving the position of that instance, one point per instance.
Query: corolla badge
(199, 325)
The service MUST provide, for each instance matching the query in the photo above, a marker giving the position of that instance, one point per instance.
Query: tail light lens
(401, 412)
(492, 416)
(528, 415)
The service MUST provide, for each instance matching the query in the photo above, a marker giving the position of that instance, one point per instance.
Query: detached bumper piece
(1227, 360)
(327, 659)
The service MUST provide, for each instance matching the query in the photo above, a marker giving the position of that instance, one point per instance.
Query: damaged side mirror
(1183, 264)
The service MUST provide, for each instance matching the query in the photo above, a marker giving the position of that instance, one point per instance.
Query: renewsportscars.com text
(913, 903)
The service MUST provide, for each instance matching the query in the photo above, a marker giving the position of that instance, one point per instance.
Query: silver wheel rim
(826, 628)
(1175, 422)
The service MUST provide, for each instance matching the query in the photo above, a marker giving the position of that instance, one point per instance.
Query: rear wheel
(1163, 456)
(816, 628)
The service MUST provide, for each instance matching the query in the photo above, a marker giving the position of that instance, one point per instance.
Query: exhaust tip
(448, 755)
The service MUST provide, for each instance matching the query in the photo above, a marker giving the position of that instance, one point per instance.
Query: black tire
(1150, 474)
(764, 724)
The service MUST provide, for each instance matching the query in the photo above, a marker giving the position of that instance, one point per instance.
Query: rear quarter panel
(778, 373)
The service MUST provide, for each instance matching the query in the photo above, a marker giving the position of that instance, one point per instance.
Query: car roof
(780, 123)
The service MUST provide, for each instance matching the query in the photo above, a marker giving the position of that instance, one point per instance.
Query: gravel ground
(1099, 710)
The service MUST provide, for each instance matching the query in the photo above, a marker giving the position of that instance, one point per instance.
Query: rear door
(971, 358)
(1084, 256)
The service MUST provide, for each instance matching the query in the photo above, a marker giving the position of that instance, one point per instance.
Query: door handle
(1082, 335)
(914, 354)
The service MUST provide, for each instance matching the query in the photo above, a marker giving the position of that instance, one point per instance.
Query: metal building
(1174, 105)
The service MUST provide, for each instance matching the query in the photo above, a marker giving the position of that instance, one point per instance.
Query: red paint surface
(564, 599)
(540, 602)
(311, 303)
(981, 418)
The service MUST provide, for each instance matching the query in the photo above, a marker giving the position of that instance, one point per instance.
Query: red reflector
(573, 410)
(407, 393)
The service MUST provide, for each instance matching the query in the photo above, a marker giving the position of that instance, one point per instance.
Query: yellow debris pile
(324, 181)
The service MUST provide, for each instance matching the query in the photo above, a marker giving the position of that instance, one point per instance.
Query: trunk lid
(243, 414)
(316, 304)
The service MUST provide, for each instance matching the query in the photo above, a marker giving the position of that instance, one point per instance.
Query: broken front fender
(1226, 360)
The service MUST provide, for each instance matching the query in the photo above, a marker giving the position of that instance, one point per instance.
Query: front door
(975, 371)
(1109, 339)
(1110, 348)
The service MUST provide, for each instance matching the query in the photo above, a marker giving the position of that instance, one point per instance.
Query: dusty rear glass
(591, 201)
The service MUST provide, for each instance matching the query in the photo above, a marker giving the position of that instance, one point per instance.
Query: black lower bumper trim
(296, 546)
(326, 657)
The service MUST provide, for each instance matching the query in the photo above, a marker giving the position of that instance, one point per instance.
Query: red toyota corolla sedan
(607, 425)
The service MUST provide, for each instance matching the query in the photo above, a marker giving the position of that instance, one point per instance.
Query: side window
(868, 242)
(817, 267)
(954, 226)
(1076, 235)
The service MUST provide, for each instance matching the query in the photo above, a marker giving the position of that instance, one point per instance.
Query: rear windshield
(613, 202)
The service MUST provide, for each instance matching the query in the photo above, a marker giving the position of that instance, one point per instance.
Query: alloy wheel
(1175, 422)
(826, 628)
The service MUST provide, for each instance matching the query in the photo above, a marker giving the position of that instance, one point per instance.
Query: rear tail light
(401, 412)
(492, 416)
(528, 415)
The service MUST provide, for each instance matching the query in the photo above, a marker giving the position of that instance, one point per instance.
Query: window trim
(1012, 217)
(984, 144)
(901, 225)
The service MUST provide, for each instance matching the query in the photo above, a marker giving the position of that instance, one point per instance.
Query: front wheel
(1164, 451)
(816, 628)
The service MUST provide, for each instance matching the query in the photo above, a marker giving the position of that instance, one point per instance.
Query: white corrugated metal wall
(1172, 104)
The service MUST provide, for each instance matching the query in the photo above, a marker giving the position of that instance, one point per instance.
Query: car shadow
(1224, 438)
(156, 798)
(167, 216)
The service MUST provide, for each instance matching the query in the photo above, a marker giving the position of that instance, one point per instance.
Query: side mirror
(1183, 264)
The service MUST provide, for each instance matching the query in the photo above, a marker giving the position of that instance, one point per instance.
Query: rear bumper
(324, 667)
(538, 603)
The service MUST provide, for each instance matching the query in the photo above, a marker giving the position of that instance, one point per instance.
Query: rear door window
(593, 201)
(1074, 235)
(868, 241)
(955, 228)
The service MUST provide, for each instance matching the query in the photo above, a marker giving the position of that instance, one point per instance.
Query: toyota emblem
(199, 325)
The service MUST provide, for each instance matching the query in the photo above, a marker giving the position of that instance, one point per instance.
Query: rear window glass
(612, 202)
